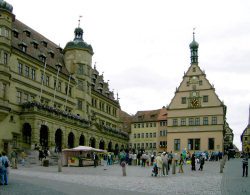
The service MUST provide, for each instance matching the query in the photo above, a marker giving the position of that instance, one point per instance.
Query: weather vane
(193, 33)
(79, 21)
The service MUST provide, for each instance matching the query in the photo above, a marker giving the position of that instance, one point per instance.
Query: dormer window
(59, 49)
(15, 33)
(42, 57)
(51, 53)
(44, 43)
(27, 32)
(34, 43)
(23, 46)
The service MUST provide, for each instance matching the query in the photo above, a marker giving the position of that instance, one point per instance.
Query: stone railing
(66, 116)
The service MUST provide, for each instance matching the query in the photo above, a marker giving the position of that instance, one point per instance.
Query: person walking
(13, 156)
(245, 165)
(164, 158)
(193, 162)
(23, 157)
(5, 165)
(159, 164)
(202, 162)
(181, 164)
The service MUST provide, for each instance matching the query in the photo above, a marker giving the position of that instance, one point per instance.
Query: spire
(194, 49)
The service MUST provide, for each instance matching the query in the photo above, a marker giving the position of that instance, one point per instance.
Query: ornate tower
(78, 59)
(194, 50)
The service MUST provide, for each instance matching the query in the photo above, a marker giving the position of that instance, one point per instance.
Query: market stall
(79, 156)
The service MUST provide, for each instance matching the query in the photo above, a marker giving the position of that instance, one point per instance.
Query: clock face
(194, 102)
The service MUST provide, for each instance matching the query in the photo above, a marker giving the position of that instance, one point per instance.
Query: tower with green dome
(194, 50)
(78, 59)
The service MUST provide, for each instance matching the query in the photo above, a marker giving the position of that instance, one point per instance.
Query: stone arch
(58, 139)
(44, 136)
(110, 146)
(116, 149)
(71, 140)
(102, 144)
(82, 140)
(26, 133)
(92, 142)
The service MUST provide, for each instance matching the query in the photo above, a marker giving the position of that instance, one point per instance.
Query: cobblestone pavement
(111, 181)
(232, 180)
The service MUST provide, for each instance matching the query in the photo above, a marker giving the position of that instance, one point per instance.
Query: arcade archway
(26, 133)
(82, 140)
(58, 140)
(44, 136)
(71, 138)
(92, 142)
(102, 145)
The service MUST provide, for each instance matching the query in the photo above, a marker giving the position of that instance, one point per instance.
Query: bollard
(59, 165)
(173, 167)
(123, 164)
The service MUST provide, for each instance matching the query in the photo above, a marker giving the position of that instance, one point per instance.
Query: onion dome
(78, 42)
(6, 6)
(194, 50)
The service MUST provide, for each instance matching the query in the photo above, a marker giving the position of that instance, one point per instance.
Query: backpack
(6, 164)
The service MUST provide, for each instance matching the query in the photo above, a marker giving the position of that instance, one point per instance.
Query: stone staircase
(32, 158)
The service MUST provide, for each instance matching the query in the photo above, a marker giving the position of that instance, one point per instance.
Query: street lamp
(59, 67)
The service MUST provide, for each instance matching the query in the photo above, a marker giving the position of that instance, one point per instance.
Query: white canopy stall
(79, 156)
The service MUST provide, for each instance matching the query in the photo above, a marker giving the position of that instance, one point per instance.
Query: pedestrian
(245, 165)
(193, 162)
(95, 156)
(181, 164)
(23, 157)
(5, 165)
(40, 155)
(13, 156)
(202, 162)
(164, 158)
(144, 158)
(159, 164)
(134, 159)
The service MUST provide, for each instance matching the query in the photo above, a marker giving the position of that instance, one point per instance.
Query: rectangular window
(161, 133)
(27, 71)
(146, 145)
(200, 82)
(146, 124)
(5, 58)
(214, 120)
(183, 122)
(197, 121)
(154, 134)
(150, 145)
(177, 144)
(194, 144)
(191, 121)
(20, 68)
(146, 135)
(80, 85)
(3, 91)
(138, 135)
(205, 98)
(134, 125)
(154, 145)
(151, 125)
(188, 83)
(183, 100)
(142, 145)
(151, 135)
(6, 33)
(154, 124)
(142, 125)
(134, 135)
(190, 144)
(175, 122)
(142, 135)
(42, 79)
(25, 97)
(59, 86)
(54, 83)
(138, 125)
(79, 105)
(18, 97)
(197, 144)
(80, 69)
(47, 80)
(210, 143)
(33, 74)
(205, 120)
(70, 91)
(138, 145)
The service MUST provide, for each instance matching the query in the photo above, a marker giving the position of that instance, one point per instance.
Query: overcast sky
(143, 46)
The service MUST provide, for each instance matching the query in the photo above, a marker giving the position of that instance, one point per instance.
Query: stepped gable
(36, 38)
(146, 116)
(100, 86)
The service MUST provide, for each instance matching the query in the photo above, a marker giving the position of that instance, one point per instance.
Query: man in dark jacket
(245, 165)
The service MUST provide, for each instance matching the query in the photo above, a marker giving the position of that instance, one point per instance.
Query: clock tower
(196, 115)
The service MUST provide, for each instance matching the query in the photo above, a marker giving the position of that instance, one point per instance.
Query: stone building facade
(51, 96)
(196, 115)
